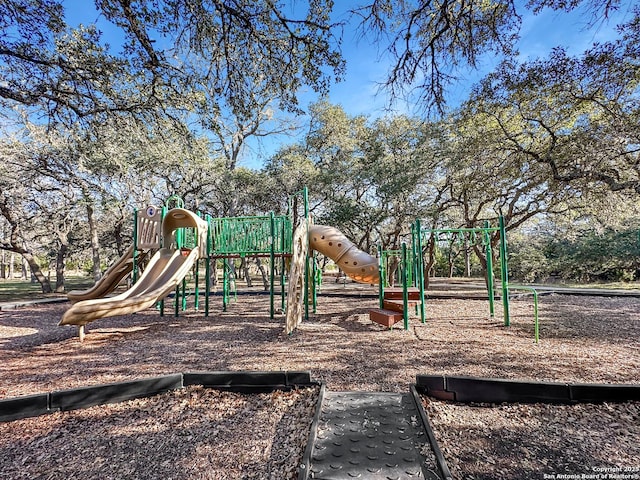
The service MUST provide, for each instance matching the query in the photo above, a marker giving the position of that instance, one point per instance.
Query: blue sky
(367, 67)
(539, 34)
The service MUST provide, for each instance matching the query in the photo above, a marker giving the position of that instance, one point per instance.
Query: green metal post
(176, 303)
(420, 269)
(405, 292)
(314, 285)
(207, 267)
(184, 280)
(490, 280)
(196, 276)
(207, 285)
(504, 271)
(179, 237)
(414, 256)
(381, 275)
(536, 325)
(162, 215)
(184, 294)
(305, 194)
(196, 290)
(306, 288)
(409, 267)
(283, 250)
(272, 264)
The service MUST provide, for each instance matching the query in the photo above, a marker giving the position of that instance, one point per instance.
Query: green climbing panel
(250, 235)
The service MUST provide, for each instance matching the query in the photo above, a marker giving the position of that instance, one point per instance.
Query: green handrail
(404, 276)
(490, 279)
(419, 260)
(405, 271)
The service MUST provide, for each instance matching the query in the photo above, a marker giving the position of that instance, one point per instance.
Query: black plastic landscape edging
(112, 393)
(491, 390)
(249, 382)
(435, 448)
(303, 472)
(241, 382)
(26, 303)
(23, 407)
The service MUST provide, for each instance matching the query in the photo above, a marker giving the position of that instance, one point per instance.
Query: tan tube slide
(332, 243)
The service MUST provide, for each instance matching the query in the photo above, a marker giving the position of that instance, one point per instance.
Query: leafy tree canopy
(432, 42)
(176, 54)
(577, 116)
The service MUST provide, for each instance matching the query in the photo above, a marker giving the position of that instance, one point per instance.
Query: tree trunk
(263, 273)
(37, 272)
(483, 262)
(431, 246)
(232, 269)
(12, 262)
(119, 237)
(15, 244)
(244, 268)
(95, 243)
(25, 271)
(393, 270)
(213, 274)
(467, 257)
(60, 257)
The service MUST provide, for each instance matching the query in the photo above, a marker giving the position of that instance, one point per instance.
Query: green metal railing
(250, 235)
(267, 235)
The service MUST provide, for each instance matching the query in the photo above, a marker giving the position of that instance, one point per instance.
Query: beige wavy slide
(110, 279)
(355, 263)
(165, 271)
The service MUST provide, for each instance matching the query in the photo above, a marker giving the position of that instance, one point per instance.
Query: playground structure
(396, 303)
(213, 240)
(168, 266)
(180, 239)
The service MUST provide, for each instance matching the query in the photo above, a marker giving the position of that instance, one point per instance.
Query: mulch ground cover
(582, 340)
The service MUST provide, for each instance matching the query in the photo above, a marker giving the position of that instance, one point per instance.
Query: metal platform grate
(371, 436)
